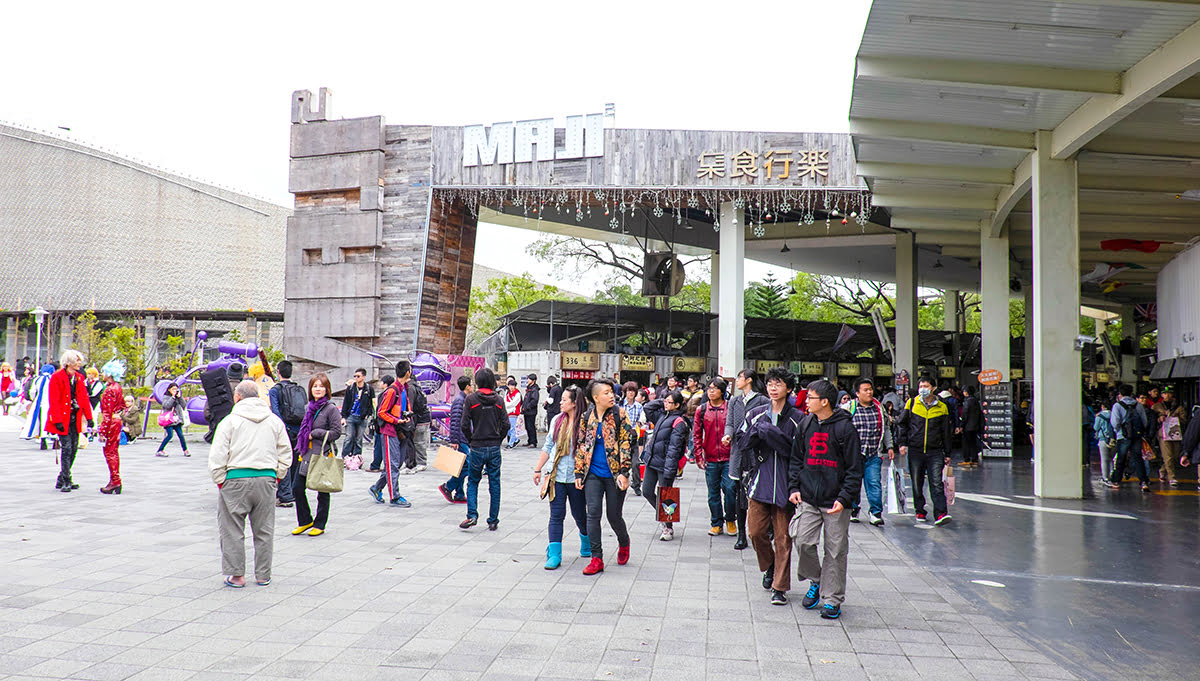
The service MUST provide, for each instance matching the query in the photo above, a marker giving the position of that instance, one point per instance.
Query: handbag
(1147, 451)
(948, 483)
(326, 472)
(547, 481)
(668, 504)
(353, 462)
(167, 418)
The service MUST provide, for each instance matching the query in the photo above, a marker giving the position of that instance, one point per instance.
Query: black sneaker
(778, 598)
(768, 579)
(376, 494)
(468, 523)
(920, 517)
(942, 519)
(493, 525)
(831, 611)
(854, 515)
(813, 598)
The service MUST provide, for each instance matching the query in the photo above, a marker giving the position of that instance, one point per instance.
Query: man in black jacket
(925, 432)
(824, 476)
(358, 405)
(972, 423)
(484, 425)
(553, 397)
(529, 409)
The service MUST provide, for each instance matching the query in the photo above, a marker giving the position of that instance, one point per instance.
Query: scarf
(302, 439)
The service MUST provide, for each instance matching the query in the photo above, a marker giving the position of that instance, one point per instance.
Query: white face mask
(924, 392)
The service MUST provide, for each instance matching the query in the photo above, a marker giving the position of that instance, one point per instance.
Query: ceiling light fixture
(959, 22)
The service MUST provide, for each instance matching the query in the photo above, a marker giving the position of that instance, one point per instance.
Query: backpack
(1132, 428)
(293, 402)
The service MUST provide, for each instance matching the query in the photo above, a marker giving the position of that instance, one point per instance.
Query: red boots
(594, 567)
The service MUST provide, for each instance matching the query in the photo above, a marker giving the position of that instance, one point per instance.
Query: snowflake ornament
(613, 224)
(760, 231)
(658, 211)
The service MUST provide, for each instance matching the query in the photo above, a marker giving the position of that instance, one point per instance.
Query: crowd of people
(1135, 432)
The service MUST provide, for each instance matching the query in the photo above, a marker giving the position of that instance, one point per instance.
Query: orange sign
(990, 377)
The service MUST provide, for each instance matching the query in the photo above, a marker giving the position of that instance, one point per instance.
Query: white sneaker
(874, 519)
(668, 534)
(420, 468)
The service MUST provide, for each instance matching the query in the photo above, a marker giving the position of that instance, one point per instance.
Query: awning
(1186, 367)
(1161, 369)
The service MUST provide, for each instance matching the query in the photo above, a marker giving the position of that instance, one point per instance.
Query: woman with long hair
(319, 431)
(603, 458)
(667, 444)
(173, 403)
(112, 404)
(561, 441)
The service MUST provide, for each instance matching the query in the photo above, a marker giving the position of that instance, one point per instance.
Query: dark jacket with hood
(925, 428)
(484, 419)
(739, 406)
(553, 395)
(668, 445)
(826, 463)
(529, 403)
(767, 447)
(972, 414)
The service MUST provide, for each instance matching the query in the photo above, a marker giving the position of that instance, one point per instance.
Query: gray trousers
(805, 528)
(418, 454)
(237, 499)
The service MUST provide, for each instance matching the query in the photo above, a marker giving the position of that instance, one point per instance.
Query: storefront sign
(811, 369)
(1103, 377)
(848, 369)
(580, 361)
(884, 371)
(513, 142)
(578, 375)
(1017, 373)
(947, 372)
(637, 363)
(762, 366)
(990, 377)
(774, 164)
(690, 365)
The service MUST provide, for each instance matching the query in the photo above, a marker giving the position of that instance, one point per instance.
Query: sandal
(230, 583)
(265, 582)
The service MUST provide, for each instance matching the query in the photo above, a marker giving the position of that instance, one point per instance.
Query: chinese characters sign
(775, 164)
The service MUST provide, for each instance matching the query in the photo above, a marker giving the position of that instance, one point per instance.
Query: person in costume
(260, 377)
(38, 409)
(68, 408)
(9, 388)
(95, 388)
(112, 405)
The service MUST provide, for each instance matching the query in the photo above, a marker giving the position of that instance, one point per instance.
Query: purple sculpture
(430, 374)
(231, 351)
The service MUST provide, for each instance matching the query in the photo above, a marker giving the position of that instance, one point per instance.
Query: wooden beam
(977, 74)
(937, 132)
(1171, 64)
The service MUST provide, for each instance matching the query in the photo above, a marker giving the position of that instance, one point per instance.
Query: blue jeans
(872, 467)
(176, 429)
(716, 474)
(480, 458)
(354, 432)
(455, 485)
(512, 431)
(396, 450)
(377, 462)
(565, 492)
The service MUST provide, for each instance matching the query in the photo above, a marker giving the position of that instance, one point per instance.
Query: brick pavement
(129, 587)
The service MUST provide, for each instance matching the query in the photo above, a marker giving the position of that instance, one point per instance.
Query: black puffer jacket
(826, 463)
(668, 445)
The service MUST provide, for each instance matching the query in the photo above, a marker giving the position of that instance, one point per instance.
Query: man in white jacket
(250, 454)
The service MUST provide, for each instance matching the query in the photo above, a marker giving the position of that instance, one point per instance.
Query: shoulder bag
(325, 471)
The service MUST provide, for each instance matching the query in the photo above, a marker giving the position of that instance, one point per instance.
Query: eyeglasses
(813, 397)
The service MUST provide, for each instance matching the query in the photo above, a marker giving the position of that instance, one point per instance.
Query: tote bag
(326, 472)
(895, 490)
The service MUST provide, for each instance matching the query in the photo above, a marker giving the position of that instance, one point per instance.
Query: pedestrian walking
(554, 393)
(874, 428)
(452, 489)
(358, 404)
(1171, 419)
(485, 424)
(602, 462)
(925, 437)
(173, 404)
(417, 457)
(529, 408)
(69, 409)
(396, 413)
(712, 456)
(824, 477)
(749, 394)
(667, 443)
(972, 423)
(1106, 441)
(767, 438)
(1130, 424)
(112, 404)
(512, 404)
(380, 439)
(250, 453)
(319, 431)
(635, 406)
(561, 440)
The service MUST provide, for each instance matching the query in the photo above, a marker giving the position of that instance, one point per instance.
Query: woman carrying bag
(171, 420)
(602, 462)
(558, 486)
(666, 446)
(319, 431)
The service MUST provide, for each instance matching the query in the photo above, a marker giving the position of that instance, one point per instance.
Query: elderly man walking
(250, 453)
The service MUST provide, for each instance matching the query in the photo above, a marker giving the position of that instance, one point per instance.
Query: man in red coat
(70, 408)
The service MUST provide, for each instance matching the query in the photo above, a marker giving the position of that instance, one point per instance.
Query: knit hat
(236, 371)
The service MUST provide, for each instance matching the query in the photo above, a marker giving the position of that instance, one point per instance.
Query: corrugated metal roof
(1003, 108)
(1143, 27)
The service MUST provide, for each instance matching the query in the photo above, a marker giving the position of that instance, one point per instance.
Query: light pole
(39, 315)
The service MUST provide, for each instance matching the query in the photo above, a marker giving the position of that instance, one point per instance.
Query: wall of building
(1179, 307)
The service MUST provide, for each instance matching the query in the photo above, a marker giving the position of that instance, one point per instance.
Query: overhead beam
(932, 201)
(1173, 209)
(1022, 183)
(947, 238)
(916, 221)
(915, 171)
(978, 74)
(937, 132)
(1171, 64)
(1142, 147)
(1138, 183)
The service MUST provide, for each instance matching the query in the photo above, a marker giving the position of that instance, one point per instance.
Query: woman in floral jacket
(602, 463)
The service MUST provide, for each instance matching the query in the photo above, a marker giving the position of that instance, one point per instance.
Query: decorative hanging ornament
(739, 203)
(760, 231)
(658, 211)
(693, 202)
(613, 224)
(809, 218)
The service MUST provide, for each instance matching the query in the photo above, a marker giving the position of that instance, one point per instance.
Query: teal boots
(585, 546)
(554, 555)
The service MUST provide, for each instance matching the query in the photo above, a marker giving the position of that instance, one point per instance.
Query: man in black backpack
(1129, 421)
(288, 402)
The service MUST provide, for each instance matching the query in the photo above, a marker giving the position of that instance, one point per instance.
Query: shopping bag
(1147, 451)
(668, 504)
(449, 460)
(325, 473)
(895, 490)
(948, 483)
(1171, 432)
(353, 462)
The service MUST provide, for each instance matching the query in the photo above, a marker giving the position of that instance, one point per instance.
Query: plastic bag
(948, 483)
(895, 490)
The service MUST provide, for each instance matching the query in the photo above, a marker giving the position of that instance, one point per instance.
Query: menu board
(997, 420)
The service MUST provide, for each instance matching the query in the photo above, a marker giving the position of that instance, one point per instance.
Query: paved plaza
(129, 587)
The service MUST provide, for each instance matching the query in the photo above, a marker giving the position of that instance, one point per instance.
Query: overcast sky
(204, 89)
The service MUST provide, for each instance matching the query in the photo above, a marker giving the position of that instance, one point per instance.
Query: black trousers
(743, 504)
(971, 445)
(603, 492)
(70, 445)
(531, 428)
(303, 511)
